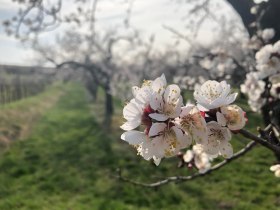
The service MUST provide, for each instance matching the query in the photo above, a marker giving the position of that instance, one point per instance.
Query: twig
(238, 154)
(243, 151)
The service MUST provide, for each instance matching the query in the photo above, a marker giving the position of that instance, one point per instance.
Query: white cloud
(147, 16)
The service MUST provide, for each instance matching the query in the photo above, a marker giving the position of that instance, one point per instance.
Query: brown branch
(238, 154)
(260, 140)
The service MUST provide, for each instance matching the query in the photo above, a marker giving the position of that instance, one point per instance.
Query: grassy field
(68, 163)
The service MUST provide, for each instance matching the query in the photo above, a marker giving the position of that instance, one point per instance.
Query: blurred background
(66, 71)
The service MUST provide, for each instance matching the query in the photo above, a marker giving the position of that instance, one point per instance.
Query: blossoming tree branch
(159, 125)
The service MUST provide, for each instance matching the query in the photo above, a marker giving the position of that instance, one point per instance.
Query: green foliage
(69, 162)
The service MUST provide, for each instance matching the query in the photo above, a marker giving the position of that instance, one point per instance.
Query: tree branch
(238, 154)
(243, 151)
(260, 140)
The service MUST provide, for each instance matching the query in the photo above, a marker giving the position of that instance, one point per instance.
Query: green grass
(69, 163)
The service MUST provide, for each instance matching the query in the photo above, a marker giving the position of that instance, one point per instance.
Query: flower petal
(156, 160)
(156, 102)
(156, 128)
(129, 125)
(143, 95)
(226, 149)
(131, 111)
(135, 90)
(186, 110)
(158, 117)
(221, 119)
(133, 137)
(183, 140)
(188, 156)
(159, 84)
(171, 94)
(275, 167)
(231, 98)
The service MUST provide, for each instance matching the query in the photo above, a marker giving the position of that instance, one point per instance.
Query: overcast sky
(149, 16)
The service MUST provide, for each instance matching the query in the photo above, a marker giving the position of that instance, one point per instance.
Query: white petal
(133, 137)
(159, 84)
(231, 98)
(212, 148)
(129, 125)
(156, 128)
(135, 90)
(183, 139)
(202, 108)
(158, 117)
(143, 95)
(186, 110)
(156, 102)
(158, 147)
(199, 136)
(156, 160)
(177, 109)
(188, 156)
(226, 149)
(277, 173)
(237, 127)
(218, 102)
(227, 134)
(275, 167)
(131, 111)
(225, 88)
(221, 119)
(171, 94)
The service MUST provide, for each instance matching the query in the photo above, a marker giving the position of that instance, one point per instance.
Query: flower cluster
(218, 63)
(168, 126)
(261, 37)
(254, 88)
(268, 60)
(263, 86)
(188, 82)
(198, 158)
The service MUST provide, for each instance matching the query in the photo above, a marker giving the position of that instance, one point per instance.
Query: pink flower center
(146, 120)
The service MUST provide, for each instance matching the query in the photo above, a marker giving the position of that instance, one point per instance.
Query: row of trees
(21, 82)
(116, 58)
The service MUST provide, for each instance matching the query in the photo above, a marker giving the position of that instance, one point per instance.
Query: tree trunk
(109, 108)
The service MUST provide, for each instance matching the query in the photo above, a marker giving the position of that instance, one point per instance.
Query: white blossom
(137, 111)
(268, 34)
(160, 142)
(276, 169)
(231, 116)
(192, 122)
(218, 140)
(268, 62)
(276, 47)
(167, 105)
(213, 94)
(254, 10)
(254, 87)
(132, 112)
(200, 158)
